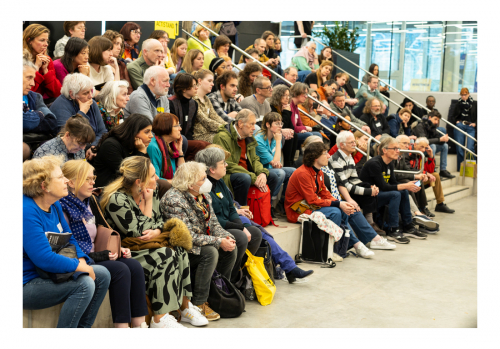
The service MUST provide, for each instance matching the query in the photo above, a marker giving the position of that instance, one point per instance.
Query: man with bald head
(152, 54)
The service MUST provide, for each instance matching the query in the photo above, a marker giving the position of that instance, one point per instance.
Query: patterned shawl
(76, 211)
(168, 151)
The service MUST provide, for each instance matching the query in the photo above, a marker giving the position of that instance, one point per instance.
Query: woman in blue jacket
(43, 185)
(76, 98)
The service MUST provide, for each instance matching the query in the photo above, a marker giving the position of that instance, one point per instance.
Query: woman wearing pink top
(298, 92)
(74, 60)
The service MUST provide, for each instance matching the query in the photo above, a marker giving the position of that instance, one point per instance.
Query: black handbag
(265, 252)
(224, 297)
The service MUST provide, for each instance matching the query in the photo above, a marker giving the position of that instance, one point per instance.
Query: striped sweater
(345, 170)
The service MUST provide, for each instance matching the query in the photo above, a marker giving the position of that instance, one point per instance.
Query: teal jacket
(156, 158)
(222, 203)
(227, 138)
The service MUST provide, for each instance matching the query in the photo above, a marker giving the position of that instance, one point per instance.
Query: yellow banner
(420, 85)
(172, 28)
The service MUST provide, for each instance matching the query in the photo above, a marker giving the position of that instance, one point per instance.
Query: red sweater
(47, 85)
(296, 119)
(302, 186)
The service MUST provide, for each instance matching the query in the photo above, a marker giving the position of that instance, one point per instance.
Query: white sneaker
(364, 252)
(194, 316)
(382, 244)
(167, 321)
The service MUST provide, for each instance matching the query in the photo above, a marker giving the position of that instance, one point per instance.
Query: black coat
(425, 128)
(371, 122)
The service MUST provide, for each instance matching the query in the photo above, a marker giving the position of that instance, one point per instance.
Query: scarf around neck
(168, 152)
(131, 47)
(303, 52)
(76, 211)
(465, 106)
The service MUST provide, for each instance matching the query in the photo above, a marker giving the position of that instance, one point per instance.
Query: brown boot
(207, 312)
(377, 229)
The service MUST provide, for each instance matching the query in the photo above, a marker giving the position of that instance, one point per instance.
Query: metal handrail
(386, 83)
(401, 151)
(327, 107)
(201, 42)
(418, 118)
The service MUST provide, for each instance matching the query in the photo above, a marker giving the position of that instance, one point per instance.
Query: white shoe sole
(382, 247)
(428, 224)
(406, 235)
(188, 320)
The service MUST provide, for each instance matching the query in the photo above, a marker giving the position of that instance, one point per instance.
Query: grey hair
(259, 80)
(289, 69)
(108, 94)
(385, 142)
(28, 64)
(278, 93)
(75, 83)
(421, 140)
(400, 138)
(310, 42)
(146, 44)
(342, 137)
(243, 115)
(153, 72)
(188, 174)
(256, 41)
(210, 157)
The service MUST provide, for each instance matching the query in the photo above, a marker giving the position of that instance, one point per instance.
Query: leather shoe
(443, 208)
(429, 213)
(446, 174)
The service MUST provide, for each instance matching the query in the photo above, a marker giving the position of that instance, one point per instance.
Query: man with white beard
(373, 117)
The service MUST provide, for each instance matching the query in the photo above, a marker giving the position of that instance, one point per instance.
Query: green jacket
(301, 64)
(227, 138)
(136, 71)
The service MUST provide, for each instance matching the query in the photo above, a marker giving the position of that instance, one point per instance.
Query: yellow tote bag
(262, 283)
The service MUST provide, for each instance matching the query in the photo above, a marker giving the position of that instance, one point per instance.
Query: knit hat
(216, 62)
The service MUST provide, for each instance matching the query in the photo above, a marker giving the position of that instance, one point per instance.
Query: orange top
(243, 156)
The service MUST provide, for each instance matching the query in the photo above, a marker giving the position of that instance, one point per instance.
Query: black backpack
(224, 297)
(315, 245)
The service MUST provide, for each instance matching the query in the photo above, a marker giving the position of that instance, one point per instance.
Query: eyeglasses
(395, 149)
(90, 179)
(133, 31)
(269, 88)
(278, 123)
(351, 143)
(178, 125)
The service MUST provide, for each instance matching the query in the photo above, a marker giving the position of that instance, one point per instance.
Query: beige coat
(207, 121)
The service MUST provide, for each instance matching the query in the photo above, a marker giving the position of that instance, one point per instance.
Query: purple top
(296, 119)
(61, 71)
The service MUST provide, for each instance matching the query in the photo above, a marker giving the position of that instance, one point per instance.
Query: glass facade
(436, 56)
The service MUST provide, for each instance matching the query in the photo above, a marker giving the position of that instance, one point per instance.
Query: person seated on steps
(213, 246)
(126, 289)
(131, 205)
(367, 235)
(379, 171)
(428, 128)
(244, 166)
(223, 100)
(214, 157)
(307, 184)
(434, 178)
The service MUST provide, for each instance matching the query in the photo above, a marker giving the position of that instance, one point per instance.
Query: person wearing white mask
(189, 200)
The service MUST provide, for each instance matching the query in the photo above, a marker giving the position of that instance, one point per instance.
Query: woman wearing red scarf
(165, 149)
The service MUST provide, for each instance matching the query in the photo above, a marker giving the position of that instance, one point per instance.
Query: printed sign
(420, 84)
(171, 27)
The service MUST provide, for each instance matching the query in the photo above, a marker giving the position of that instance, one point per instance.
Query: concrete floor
(426, 284)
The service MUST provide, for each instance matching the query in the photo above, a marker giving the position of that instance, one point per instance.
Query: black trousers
(243, 244)
(127, 289)
(289, 150)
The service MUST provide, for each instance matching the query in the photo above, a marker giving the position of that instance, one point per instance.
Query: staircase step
(451, 194)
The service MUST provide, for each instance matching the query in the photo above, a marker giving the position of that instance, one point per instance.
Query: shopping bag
(262, 283)
(470, 167)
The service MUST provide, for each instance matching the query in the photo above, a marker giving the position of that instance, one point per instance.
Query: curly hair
(244, 84)
(112, 35)
(38, 171)
(312, 152)
(278, 93)
(188, 174)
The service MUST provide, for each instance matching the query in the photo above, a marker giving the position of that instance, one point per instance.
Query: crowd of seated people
(144, 139)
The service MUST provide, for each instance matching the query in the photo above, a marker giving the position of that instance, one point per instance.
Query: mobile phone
(417, 183)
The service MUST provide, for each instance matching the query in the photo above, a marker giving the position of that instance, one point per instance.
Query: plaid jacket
(182, 205)
(218, 104)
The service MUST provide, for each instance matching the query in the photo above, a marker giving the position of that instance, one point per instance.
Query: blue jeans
(283, 175)
(443, 149)
(279, 256)
(460, 138)
(360, 226)
(302, 137)
(82, 297)
(337, 216)
(398, 202)
(302, 75)
(241, 183)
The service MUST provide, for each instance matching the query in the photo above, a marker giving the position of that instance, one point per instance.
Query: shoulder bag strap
(99, 208)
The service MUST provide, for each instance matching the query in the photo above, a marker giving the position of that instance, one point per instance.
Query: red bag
(260, 205)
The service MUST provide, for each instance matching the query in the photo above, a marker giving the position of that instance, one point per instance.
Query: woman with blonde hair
(132, 207)
(207, 121)
(342, 80)
(111, 101)
(322, 74)
(44, 185)
(201, 34)
(179, 51)
(36, 41)
(80, 207)
(192, 62)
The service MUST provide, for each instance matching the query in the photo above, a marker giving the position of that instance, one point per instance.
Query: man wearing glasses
(257, 102)
(379, 171)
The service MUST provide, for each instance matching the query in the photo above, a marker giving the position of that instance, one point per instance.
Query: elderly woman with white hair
(76, 98)
(111, 101)
(213, 247)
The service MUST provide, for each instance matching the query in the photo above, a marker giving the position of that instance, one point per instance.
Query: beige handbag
(107, 238)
